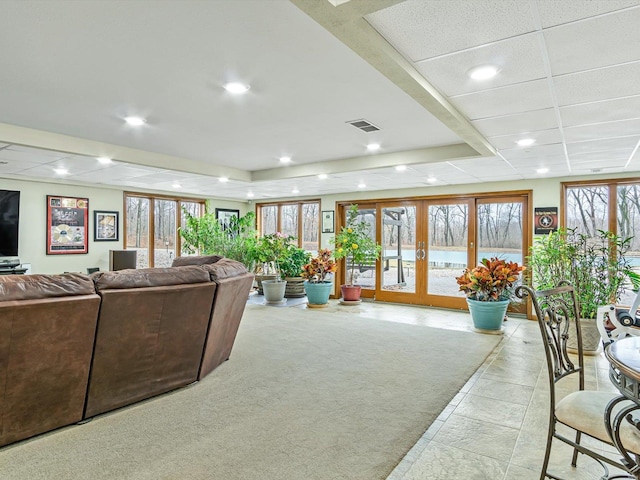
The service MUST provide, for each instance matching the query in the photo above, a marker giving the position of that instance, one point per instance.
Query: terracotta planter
(351, 293)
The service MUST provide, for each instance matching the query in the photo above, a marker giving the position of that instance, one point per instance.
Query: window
(150, 217)
(299, 219)
(612, 205)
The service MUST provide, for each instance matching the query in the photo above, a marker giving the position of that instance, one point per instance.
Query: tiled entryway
(495, 428)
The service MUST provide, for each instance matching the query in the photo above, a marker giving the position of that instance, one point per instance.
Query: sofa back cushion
(225, 268)
(149, 277)
(32, 287)
(195, 260)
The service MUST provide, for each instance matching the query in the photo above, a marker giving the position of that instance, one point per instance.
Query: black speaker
(122, 259)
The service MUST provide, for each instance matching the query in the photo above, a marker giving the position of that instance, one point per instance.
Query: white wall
(33, 224)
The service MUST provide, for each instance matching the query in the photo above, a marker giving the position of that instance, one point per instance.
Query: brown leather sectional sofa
(73, 346)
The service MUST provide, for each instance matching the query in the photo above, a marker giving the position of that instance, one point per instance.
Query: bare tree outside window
(588, 209)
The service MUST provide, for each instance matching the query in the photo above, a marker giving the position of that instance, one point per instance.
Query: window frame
(151, 226)
(279, 205)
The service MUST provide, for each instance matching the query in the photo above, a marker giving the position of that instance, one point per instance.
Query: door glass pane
(399, 249)
(138, 229)
(268, 222)
(587, 209)
(310, 215)
(164, 232)
(628, 217)
(499, 227)
(447, 247)
(289, 220)
(365, 275)
(194, 210)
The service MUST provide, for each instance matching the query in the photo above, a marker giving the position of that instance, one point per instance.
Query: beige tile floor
(495, 427)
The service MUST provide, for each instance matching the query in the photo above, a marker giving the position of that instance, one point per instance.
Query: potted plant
(595, 266)
(489, 288)
(206, 235)
(355, 243)
(291, 267)
(317, 284)
(272, 250)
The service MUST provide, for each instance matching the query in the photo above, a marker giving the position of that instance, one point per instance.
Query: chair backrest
(558, 318)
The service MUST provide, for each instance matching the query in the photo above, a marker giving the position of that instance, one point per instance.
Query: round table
(624, 361)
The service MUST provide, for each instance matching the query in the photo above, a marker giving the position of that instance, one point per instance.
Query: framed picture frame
(67, 225)
(224, 215)
(328, 221)
(105, 226)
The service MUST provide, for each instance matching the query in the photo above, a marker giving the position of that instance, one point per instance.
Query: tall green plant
(595, 266)
(207, 236)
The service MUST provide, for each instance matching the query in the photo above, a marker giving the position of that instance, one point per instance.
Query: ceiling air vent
(364, 125)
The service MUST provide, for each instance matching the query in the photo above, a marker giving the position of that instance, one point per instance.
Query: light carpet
(306, 395)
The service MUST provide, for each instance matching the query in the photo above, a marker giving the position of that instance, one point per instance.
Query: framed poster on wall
(105, 226)
(67, 225)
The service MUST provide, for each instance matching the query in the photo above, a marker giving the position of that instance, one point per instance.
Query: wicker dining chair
(582, 410)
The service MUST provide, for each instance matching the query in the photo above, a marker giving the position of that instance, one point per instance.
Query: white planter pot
(273, 290)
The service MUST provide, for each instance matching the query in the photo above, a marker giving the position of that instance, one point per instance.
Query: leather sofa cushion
(32, 287)
(225, 268)
(195, 260)
(150, 277)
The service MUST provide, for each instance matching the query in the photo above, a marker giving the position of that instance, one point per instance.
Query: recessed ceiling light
(285, 159)
(542, 170)
(484, 72)
(401, 168)
(135, 121)
(61, 171)
(362, 185)
(236, 88)
(432, 179)
(176, 185)
(223, 179)
(526, 142)
(250, 194)
(295, 191)
(104, 160)
(372, 147)
(323, 176)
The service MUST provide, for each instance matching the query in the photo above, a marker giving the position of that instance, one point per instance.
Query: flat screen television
(9, 222)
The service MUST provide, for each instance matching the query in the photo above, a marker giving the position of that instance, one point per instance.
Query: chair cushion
(584, 411)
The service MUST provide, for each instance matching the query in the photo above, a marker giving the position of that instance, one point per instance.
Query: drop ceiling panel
(517, 98)
(598, 112)
(517, 123)
(409, 25)
(541, 151)
(596, 42)
(554, 12)
(543, 137)
(603, 157)
(32, 155)
(602, 130)
(605, 145)
(600, 84)
(519, 59)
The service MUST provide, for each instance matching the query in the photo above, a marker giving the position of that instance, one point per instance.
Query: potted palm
(489, 288)
(317, 283)
(357, 245)
(596, 267)
(206, 235)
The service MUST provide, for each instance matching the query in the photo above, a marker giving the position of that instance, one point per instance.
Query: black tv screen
(9, 220)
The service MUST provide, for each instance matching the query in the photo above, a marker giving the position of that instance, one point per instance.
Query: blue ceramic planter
(318, 293)
(487, 315)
